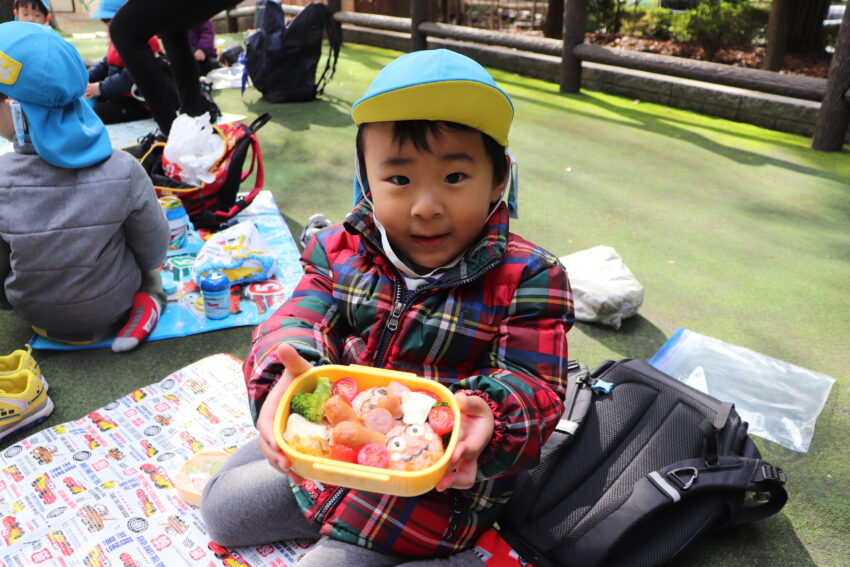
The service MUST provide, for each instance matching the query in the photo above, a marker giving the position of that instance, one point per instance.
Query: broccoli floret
(311, 405)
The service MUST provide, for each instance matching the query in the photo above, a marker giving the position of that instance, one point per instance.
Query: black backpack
(639, 467)
(282, 58)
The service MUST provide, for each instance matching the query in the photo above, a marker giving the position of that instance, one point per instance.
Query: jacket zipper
(399, 307)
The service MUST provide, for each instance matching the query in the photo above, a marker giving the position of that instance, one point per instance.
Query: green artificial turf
(735, 232)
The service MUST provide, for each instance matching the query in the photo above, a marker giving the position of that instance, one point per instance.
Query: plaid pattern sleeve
(524, 375)
(307, 321)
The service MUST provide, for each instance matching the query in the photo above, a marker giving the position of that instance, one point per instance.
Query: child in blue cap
(81, 231)
(425, 277)
(34, 11)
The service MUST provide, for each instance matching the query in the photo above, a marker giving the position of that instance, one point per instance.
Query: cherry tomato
(373, 455)
(345, 388)
(430, 394)
(441, 419)
(345, 453)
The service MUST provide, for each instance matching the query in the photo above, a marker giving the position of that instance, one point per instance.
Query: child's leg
(332, 553)
(463, 559)
(249, 503)
(118, 110)
(148, 303)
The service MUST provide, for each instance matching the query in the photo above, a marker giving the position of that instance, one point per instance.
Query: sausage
(337, 410)
(353, 434)
(379, 419)
(391, 403)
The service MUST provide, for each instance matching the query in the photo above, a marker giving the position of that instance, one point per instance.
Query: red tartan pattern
(495, 324)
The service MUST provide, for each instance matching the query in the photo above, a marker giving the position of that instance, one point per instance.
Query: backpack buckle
(602, 386)
(684, 477)
(770, 473)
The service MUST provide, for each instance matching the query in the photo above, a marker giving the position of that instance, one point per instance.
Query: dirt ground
(751, 56)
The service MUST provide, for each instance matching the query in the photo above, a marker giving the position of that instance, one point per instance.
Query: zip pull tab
(398, 309)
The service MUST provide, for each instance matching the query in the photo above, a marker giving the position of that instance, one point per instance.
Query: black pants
(130, 30)
(121, 109)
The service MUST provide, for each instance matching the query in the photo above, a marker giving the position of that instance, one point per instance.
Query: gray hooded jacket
(74, 242)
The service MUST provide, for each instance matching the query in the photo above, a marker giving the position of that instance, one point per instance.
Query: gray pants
(248, 503)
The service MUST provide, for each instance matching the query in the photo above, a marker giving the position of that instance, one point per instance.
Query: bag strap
(333, 51)
(677, 483)
(236, 175)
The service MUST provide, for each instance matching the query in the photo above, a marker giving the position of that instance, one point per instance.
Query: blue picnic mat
(250, 304)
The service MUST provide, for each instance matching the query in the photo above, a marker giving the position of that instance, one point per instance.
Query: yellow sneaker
(23, 401)
(20, 360)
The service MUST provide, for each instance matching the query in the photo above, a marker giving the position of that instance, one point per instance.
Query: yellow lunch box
(362, 477)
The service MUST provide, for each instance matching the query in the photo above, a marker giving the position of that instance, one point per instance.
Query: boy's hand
(199, 55)
(294, 365)
(476, 430)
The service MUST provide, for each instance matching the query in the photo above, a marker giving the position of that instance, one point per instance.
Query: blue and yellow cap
(47, 77)
(440, 85)
(107, 9)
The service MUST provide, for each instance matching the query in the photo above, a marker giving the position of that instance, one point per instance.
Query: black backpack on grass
(282, 58)
(640, 466)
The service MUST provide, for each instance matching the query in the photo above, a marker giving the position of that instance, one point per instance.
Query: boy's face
(7, 127)
(432, 204)
(30, 14)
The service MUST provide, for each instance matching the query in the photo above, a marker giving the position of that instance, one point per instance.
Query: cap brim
(72, 136)
(470, 103)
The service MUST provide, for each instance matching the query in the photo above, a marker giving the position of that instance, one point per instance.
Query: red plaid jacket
(495, 325)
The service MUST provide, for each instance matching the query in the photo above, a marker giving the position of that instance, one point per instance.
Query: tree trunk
(553, 27)
(805, 34)
(6, 7)
(777, 35)
(834, 114)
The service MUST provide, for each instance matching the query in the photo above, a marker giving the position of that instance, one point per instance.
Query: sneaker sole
(31, 420)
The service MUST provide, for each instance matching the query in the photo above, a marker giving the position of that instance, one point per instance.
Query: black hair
(3, 96)
(34, 4)
(416, 132)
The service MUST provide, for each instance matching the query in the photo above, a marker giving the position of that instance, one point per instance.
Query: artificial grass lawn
(735, 232)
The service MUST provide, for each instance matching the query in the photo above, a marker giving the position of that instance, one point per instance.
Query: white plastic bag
(779, 400)
(240, 252)
(604, 289)
(192, 150)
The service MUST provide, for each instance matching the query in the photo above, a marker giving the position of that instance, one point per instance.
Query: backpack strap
(333, 50)
(235, 175)
(676, 483)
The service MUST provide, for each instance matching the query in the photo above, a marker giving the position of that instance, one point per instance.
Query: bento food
(391, 427)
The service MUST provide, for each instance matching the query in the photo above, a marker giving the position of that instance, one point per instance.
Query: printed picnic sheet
(99, 491)
(250, 304)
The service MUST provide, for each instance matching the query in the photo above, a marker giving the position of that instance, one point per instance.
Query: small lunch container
(362, 477)
(193, 476)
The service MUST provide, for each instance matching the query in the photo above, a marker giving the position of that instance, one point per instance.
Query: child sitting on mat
(423, 277)
(81, 231)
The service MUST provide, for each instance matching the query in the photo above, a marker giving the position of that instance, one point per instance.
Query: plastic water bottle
(215, 287)
(178, 221)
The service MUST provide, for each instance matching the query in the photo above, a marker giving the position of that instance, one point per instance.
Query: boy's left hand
(476, 430)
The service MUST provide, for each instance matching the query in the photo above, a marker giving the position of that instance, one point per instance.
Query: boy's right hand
(294, 365)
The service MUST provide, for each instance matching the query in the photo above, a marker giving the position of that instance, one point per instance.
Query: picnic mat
(250, 304)
(100, 490)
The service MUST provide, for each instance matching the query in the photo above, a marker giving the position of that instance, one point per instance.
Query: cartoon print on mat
(228, 558)
(14, 473)
(94, 516)
(102, 423)
(43, 487)
(12, 531)
(44, 455)
(157, 476)
(73, 486)
(147, 506)
(60, 542)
